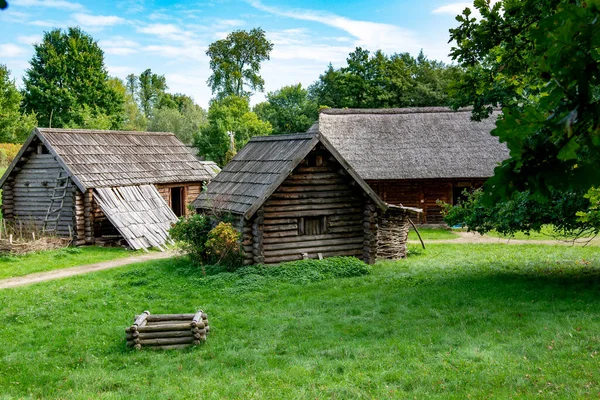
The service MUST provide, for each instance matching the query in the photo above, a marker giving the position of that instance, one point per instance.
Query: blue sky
(171, 37)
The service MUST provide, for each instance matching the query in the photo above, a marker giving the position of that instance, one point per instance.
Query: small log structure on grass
(167, 331)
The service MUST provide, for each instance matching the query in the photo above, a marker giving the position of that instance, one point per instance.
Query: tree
(288, 109)
(380, 81)
(539, 61)
(235, 62)
(133, 119)
(230, 115)
(3, 5)
(67, 77)
(185, 120)
(151, 87)
(14, 126)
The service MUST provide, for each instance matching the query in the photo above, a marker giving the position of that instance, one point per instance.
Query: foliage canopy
(540, 62)
(380, 81)
(14, 125)
(289, 109)
(235, 62)
(67, 83)
(229, 116)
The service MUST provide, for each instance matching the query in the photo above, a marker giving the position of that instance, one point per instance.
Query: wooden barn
(95, 185)
(415, 156)
(295, 197)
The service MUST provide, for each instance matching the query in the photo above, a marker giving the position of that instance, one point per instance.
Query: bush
(9, 150)
(192, 234)
(304, 271)
(223, 246)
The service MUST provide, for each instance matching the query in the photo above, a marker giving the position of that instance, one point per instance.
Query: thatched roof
(248, 180)
(413, 143)
(96, 159)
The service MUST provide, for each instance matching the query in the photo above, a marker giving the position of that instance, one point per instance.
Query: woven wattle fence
(392, 234)
(167, 331)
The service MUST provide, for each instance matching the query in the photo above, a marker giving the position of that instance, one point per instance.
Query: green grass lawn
(454, 321)
(548, 232)
(12, 266)
(432, 234)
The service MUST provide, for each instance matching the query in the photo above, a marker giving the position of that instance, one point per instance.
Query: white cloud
(119, 51)
(87, 20)
(14, 16)
(60, 4)
(372, 35)
(178, 52)
(10, 50)
(230, 22)
(453, 8)
(118, 41)
(30, 39)
(297, 44)
(166, 31)
(44, 24)
(120, 71)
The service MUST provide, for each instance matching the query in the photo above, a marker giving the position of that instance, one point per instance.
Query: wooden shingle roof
(248, 180)
(413, 143)
(97, 159)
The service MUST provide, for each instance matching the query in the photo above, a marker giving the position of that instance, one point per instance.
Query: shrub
(192, 234)
(223, 246)
(304, 271)
(10, 150)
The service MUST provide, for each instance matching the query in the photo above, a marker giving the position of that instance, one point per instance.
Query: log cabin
(94, 185)
(415, 156)
(294, 197)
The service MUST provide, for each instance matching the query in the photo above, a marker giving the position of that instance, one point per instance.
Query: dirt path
(471, 237)
(82, 269)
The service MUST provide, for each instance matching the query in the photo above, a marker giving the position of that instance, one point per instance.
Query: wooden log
(199, 331)
(141, 318)
(278, 228)
(280, 221)
(320, 243)
(281, 234)
(319, 188)
(341, 248)
(311, 213)
(164, 328)
(308, 238)
(167, 341)
(197, 317)
(132, 335)
(170, 317)
(273, 210)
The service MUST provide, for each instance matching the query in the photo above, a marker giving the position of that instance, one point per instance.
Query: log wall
(422, 194)
(317, 209)
(27, 192)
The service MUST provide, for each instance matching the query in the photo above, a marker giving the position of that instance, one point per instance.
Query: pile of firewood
(167, 331)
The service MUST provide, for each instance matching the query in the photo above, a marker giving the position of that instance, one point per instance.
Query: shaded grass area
(454, 321)
(548, 232)
(19, 265)
(432, 234)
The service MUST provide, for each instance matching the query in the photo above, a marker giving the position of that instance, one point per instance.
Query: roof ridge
(284, 136)
(100, 131)
(410, 110)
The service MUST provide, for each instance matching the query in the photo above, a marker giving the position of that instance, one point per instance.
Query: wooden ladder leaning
(56, 202)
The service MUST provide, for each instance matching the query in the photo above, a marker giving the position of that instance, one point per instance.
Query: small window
(312, 225)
